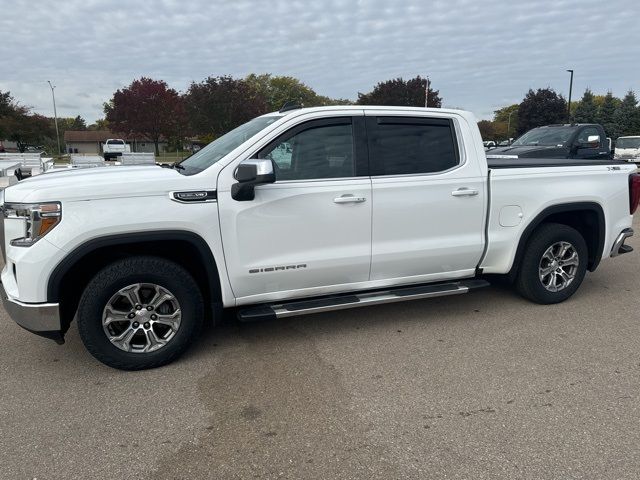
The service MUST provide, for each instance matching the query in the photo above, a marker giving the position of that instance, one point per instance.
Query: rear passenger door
(428, 198)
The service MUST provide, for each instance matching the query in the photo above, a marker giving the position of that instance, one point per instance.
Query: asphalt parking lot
(470, 387)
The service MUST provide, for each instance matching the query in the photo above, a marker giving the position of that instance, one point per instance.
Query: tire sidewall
(108, 282)
(530, 281)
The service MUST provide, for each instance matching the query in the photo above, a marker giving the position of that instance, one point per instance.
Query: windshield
(220, 147)
(546, 136)
(629, 142)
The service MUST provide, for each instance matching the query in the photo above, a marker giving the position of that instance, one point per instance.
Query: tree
(19, 125)
(586, 111)
(606, 114)
(398, 92)
(627, 116)
(99, 124)
(219, 104)
(27, 129)
(6, 104)
(509, 117)
(542, 107)
(487, 129)
(278, 90)
(148, 108)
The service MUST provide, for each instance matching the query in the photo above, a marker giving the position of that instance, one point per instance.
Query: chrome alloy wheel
(141, 318)
(558, 266)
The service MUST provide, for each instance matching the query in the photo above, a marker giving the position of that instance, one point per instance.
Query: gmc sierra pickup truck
(296, 212)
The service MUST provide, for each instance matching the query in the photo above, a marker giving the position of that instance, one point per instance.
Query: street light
(570, 88)
(55, 115)
(426, 94)
(509, 125)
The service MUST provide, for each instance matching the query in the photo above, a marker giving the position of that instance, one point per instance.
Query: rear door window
(411, 145)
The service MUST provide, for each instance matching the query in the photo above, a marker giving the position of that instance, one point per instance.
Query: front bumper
(40, 318)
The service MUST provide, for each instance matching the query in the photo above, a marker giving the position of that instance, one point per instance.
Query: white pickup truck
(297, 212)
(114, 147)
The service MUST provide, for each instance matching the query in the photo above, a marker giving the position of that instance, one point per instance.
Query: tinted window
(401, 146)
(585, 133)
(324, 151)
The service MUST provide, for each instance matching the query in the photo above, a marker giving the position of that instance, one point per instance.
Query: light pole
(570, 88)
(509, 125)
(55, 115)
(426, 94)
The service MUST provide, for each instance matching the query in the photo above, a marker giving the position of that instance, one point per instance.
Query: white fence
(81, 161)
(129, 158)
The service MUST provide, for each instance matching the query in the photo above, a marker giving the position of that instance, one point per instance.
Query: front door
(429, 199)
(310, 231)
(590, 151)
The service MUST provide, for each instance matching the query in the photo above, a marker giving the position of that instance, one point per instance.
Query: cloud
(480, 55)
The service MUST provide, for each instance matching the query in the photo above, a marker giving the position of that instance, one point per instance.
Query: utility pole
(55, 115)
(426, 94)
(570, 88)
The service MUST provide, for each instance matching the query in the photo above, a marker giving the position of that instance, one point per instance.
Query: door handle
(348, 199)
(464, 192)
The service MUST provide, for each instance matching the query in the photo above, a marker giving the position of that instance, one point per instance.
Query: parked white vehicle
(628, 148)
(114, 147)
(296, 212)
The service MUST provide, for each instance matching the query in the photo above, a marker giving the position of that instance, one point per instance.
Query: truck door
(591, 150)
(310, 231)
(428, 198)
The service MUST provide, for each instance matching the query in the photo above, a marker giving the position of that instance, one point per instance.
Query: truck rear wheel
(140, 312)
(553, 265)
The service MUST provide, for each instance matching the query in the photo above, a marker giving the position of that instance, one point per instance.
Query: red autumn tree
(148, 108)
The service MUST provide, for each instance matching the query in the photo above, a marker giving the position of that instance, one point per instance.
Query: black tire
(146, 270)
(528, 282)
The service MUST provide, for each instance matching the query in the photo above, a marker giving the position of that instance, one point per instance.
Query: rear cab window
(411, 145)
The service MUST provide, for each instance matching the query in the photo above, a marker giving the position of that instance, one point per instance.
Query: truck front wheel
(140, 312)
(553, 265)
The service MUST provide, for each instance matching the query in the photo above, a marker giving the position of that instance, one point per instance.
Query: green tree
(19, 125)
(399, 92)
(27, 129)
(219, 104)
(627, 116)
(99, 124)
(487, 129)
(606, 114)
(586, 111)
(542, 107)
(509, 117)
(278, 90)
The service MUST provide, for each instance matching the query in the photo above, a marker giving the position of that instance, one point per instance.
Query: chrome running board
(352, 300)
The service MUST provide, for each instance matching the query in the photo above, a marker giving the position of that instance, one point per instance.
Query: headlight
(40, 219)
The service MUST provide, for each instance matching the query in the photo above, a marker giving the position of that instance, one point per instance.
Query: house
(91, 141)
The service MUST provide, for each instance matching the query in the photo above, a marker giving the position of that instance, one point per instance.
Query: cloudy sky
(480, 54)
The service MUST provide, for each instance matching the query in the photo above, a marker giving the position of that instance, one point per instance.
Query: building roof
(93, 136)
(100, 136)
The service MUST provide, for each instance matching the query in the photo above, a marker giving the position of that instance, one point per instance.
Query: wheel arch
(586, 217)
(65, 284)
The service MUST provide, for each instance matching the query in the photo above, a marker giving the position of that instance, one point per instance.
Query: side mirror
(249, 174)
(593, 141)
